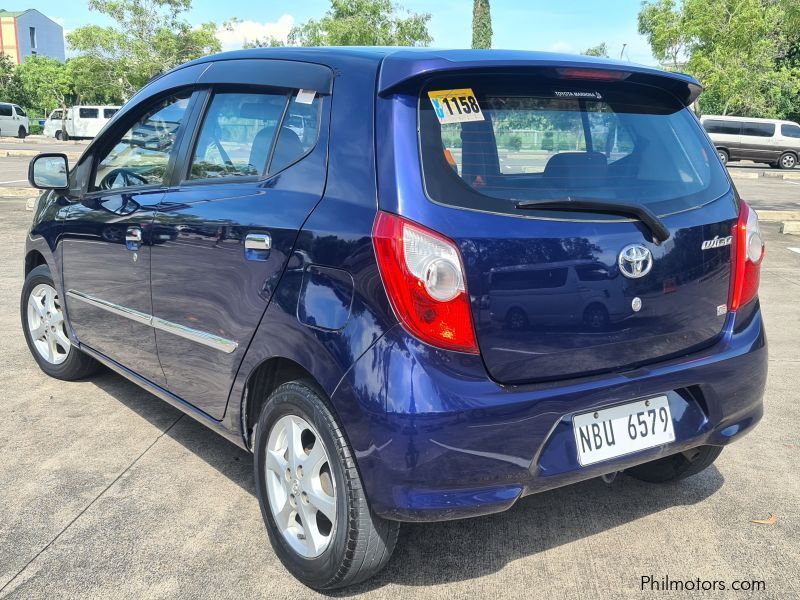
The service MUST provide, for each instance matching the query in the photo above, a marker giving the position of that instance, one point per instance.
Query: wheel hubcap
(46, 324)
(300, 486)
(788, 161)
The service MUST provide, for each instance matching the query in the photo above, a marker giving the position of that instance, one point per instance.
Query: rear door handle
(133, 238)
(257, 246)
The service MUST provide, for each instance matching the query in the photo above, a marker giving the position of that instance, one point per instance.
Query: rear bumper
(436, 439)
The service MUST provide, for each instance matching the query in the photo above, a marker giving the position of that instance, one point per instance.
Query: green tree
(10, 89)
(364, 23)
(44, 83)
(150, 36)
(736, 48)
(481, 24)
(600, 50)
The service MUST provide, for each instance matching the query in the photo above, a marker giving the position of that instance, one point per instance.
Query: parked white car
(770, 141)
(81, 122)
(13, 120)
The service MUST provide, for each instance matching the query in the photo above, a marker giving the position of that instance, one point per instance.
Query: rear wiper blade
(643, 214)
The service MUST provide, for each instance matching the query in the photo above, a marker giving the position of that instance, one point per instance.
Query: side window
(236, 135)
(298, 132)
(56, 114)
(792, 131)
(88, 113)
(5, 110)
(109, 112)
(20, 112)
(141, 155)
(725, 127)
(758, 129)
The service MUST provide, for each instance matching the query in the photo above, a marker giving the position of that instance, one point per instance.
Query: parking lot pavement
(107, 492)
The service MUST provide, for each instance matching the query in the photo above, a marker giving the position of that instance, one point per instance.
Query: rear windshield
(549, 139)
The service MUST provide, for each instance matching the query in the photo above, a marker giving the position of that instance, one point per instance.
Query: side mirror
(49, 172)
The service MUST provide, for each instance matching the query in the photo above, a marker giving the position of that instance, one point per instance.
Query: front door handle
(133, 238)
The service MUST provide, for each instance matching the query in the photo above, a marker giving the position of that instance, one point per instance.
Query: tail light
(747, 250)
(424, 279)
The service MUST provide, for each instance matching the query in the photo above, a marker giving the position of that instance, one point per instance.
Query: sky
(553, 25)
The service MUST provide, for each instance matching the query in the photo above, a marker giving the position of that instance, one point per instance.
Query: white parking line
(794, 250)
(792, 182)
(14, 181)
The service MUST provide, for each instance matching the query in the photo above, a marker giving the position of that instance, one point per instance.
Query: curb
(778, 215)
(790, 227)
(742, 174)
(32, 153)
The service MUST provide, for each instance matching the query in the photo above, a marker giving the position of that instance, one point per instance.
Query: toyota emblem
(635, 261)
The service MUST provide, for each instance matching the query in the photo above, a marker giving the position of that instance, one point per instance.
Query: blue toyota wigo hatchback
(417, 285)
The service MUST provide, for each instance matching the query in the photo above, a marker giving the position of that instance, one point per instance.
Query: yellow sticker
(456, 106)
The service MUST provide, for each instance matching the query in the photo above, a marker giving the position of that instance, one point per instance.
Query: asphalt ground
(107, 492)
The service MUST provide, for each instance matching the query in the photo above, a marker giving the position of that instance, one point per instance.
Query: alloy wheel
(300, 486)
(46, 324)
(788, 161)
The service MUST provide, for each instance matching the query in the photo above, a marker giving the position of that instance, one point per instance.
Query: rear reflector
(424, 280)
(592, 74)
(747, 252)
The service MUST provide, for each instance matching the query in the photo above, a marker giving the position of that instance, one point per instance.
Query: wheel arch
(265, 378)
(33, 259)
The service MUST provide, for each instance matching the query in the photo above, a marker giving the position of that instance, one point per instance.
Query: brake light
(592, 74)
(424, 280)
(747, 252)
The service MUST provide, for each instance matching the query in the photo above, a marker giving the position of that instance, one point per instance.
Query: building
(27, 32)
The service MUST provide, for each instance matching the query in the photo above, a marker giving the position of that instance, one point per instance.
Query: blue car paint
(434, 434)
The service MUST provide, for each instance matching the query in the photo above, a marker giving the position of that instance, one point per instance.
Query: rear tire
(322, 553)
(64, 136)
(787, 161)
(45, 330)
(676, 467)
(723, 156)
(22, 133)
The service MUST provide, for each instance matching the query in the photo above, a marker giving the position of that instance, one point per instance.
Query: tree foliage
(481, 24)
(600, 50)
(150, 36)
(364, 23)
(43, 83)
(736, 48)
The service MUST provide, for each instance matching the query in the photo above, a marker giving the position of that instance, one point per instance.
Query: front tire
(22, 133)
(311, 496)
(787, 161)
(723, 156)
(42, 313)
(676, 467)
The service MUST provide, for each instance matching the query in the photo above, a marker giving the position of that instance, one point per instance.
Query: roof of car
(738, 118)
(402, 62)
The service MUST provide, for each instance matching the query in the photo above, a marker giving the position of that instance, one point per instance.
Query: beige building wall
(9, 43)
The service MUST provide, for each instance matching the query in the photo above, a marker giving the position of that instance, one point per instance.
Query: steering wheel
(129, 179)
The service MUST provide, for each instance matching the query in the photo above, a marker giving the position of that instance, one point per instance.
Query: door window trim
(123, 125)
(189, 143)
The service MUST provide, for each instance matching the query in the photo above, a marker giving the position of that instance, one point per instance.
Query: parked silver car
(770, 141)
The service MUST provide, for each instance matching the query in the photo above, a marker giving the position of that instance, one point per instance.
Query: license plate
(620, 430)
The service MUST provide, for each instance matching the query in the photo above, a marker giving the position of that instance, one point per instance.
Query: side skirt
(197, 414)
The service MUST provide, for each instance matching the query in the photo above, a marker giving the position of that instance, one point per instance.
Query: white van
(81, 122)
(770, 141)
(13, 120)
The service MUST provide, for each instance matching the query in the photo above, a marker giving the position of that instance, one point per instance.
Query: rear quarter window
(549, 139)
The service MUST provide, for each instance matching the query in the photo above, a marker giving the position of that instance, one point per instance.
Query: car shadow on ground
(440, 553)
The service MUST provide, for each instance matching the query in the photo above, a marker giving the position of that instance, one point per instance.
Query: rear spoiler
(403, 70)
